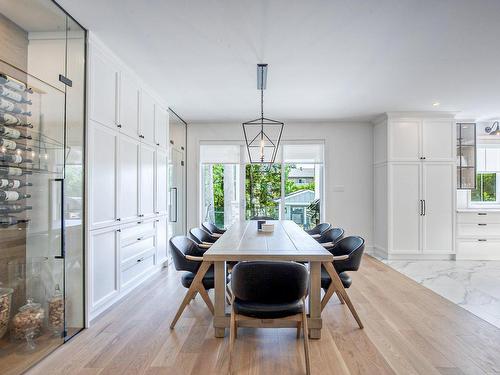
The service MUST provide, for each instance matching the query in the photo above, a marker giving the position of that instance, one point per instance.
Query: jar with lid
(56, 312)
(28, 322)
(5, 306)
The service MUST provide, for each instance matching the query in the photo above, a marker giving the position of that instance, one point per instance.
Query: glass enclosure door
(176, 186)
(42, 67)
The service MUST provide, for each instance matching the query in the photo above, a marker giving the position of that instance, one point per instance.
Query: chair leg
(206, 298)
(183, 305)
(329, 293)
(232, 337)
(306, 338)
(341, 299)
(298, 329)
(229, 295)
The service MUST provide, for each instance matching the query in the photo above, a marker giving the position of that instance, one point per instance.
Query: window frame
(486, 203)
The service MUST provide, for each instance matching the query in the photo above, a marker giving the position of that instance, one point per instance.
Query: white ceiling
(327, 59)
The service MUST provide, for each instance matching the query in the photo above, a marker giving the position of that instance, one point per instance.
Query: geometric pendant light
(262, 135)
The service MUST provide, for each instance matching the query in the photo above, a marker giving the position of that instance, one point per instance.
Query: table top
(242, 241)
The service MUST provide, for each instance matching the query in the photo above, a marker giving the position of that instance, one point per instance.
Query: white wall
(348, 169)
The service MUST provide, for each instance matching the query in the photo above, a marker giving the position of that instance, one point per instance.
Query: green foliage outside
(486, 190)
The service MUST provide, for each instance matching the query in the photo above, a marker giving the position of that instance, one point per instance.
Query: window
(262, 190)
(486, 188)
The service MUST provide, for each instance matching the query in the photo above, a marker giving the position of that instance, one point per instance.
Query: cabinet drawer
(478, 217)
(478, 249)
(136, 267)
(137, 247)
(131, 233)
(478, 229)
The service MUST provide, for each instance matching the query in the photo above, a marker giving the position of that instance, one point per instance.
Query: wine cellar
(42, 117)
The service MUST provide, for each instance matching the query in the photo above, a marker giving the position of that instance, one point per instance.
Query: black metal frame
(460, 185)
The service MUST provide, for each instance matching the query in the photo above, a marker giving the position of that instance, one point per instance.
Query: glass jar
(56, 312)
(28, 322)
(5, 306)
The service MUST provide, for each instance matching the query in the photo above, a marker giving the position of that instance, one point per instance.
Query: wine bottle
(12, 195)
(13, 95)
(9, 106)
(8, 119)
(13, 208)
(13, 171)
(12, 133)
(6, 183)
(13, 83)
(11, 145)
(6, 221)
(15, 159)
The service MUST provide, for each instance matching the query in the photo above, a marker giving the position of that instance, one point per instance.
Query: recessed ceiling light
(436, 104)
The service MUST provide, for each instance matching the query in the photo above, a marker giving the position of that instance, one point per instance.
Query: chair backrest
(210, 227)
(353, 246)
(199, 235)
(320, 228)
(262, 218)
(269, 282)
(331, 235)
(182, 246)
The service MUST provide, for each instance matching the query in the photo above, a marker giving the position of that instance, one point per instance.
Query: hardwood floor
(408, 330)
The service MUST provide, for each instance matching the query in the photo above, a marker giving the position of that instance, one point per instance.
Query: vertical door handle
(423, 200)
(421, 207)
(62, 253)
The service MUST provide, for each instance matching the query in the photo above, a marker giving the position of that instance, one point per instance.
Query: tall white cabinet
(126, 180)
(414, 186)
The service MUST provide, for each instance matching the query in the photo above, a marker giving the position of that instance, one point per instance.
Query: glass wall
(42, 101)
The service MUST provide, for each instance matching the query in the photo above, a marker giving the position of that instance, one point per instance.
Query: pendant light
(262, 135)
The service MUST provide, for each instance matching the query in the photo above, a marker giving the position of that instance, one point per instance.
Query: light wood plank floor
(408, 330)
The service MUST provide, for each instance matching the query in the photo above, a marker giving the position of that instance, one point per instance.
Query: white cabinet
(438, 202)
(405, 203)
(161, 182)
(103, 89)
(102, 166)
(404, 140)
(478, 235)
(492, 160)
(103, 261)
(161, 239)
(147, 124)
(147, 181)
(421, 139)
(128, 171)
(129, 105)
(161, 127)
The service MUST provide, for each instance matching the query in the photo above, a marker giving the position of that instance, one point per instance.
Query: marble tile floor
(473, 285)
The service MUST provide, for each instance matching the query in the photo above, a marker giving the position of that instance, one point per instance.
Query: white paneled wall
(128, 127)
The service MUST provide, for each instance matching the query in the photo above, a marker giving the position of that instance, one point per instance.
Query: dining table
(243, 241)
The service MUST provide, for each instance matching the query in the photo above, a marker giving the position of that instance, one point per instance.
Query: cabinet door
(161, 240)
(161, 182)
(492, 159)
(438, 140)
(129, 105)
(481, 160)
(128, 202)
(438, 194)
(405, 208)
(103, 89)
(103, 259)
(147, 124)
(404, 140)
(103, 151)
(161, 127)
(147, 181)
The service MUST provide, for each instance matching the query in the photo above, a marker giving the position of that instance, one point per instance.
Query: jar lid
(30, 305)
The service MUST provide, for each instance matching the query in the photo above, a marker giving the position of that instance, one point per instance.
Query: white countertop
(479, 209)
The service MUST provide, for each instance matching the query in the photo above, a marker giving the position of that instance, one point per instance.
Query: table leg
(220, 298)
(315, 322)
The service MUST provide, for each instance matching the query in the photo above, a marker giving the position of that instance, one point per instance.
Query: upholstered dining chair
(352, 247)
(188, 258)
(330, 237)
(262, 218)
(214, 230)
(318, 230)
(267, 294)
(202, 238)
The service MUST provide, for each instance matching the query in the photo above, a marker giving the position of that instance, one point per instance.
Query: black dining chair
(318, 230)
(266, 294)
(263, 218)
(202, 238)
(330, 237)
(214, 230)
(188, 258)
(352, 247)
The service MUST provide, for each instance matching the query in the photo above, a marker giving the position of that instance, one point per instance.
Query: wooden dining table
(288, 242)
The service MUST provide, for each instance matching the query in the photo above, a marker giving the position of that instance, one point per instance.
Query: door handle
(425, 209)
(482, 225)
(62, 253)
(421, 207)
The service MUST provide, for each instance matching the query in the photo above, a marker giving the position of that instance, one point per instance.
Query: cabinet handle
(139, 222)
(140, 260)
(139, 238)
(118, 230)
(482, 225)
(157, 144)
(423, 207)
(141, 136)
(482, 240)
(482, 213)
(119, 219)
(423, 157)
(119, 125)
